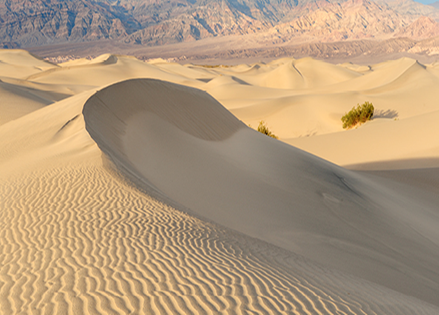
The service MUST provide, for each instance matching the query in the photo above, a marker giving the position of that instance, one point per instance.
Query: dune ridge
(306, 196)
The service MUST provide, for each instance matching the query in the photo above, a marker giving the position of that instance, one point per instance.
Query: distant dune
(134, 187)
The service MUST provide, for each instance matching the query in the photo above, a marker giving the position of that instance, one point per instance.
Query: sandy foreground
(138, 188)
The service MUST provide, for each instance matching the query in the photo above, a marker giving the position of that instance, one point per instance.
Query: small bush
(262, 128)
(358, 115)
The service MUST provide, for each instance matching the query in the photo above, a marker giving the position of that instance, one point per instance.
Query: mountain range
(268, 23)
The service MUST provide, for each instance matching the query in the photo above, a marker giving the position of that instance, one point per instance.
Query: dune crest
(180, 106)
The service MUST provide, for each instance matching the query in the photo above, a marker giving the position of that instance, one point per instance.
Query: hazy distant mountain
(157, 22)
(351, 19)
(435, 5)
(410, 8)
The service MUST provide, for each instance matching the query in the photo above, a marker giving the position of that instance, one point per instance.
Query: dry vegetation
(262, 128)
(358, 115)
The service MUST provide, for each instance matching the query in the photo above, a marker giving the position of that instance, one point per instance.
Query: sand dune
(228, 173)
(17, 102)
(399, 89)
(124, 193)
(400, 145)
(20, 64)
(106, 70)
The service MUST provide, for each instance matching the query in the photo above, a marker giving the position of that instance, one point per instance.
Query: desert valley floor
(131, 187)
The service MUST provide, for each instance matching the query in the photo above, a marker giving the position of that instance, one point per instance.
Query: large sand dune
(129, 195)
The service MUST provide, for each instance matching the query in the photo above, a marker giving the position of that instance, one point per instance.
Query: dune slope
(168, 140)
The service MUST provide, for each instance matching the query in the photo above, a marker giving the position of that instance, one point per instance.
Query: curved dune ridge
(261, 187)
(192, 111)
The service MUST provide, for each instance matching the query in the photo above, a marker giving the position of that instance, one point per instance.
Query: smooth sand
(124, 193)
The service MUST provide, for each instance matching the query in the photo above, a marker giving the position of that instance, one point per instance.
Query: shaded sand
(149, 197)
(259, 186)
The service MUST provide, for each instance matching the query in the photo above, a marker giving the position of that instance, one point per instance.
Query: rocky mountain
(422, 28)
(150, 22)
(193, 23)
(39, 22)
(351, 19)
(29, 23)
(187, 20)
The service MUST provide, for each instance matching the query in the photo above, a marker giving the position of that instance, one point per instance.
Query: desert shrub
(358, 115)
(262, 128)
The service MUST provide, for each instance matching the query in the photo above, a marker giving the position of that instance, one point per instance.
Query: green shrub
(262, 128)
(358, 115)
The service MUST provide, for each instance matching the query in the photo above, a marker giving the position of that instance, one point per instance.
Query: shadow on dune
(390, 113)
(182, 146)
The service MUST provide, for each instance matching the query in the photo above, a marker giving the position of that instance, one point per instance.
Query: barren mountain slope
(352, 19)
(32, 23)
(422, 28)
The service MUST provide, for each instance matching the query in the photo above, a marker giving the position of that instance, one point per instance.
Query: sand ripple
(78, 241)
